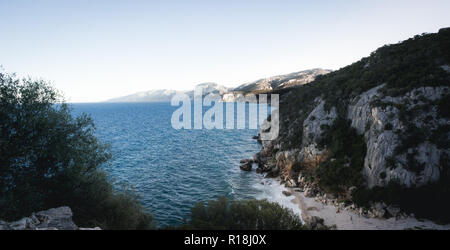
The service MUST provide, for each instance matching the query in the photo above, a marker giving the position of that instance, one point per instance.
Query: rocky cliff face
(53, 219)
(380, 121)
(282, 81)
(379, 126)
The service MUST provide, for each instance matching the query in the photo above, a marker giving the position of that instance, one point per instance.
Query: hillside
(282, 81)
(229, 94)
(165, 95)
(375, 131)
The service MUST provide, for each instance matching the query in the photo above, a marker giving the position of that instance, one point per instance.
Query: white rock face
(381, 142)
(282, 81)
(317, 118)
(233, 97)
(379, 124)
(312, 133)
(446, 68)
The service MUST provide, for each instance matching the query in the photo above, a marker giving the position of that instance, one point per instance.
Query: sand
(349, 220)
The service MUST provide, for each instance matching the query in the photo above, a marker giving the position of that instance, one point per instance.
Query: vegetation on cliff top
(417, 62)
(402, 67)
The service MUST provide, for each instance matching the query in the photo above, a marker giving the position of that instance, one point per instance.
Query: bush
(49, 158)
(405, 66)
(225, 214)
(388, 126)
(430, 201)
(346, 151)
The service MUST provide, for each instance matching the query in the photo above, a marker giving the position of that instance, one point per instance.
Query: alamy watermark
(213, 118)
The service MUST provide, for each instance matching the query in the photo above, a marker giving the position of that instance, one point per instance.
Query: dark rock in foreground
(53, 219)
(246, 166)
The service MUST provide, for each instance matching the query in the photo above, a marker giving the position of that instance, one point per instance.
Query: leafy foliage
(225, 214)
(49, 158)
(402, 67)
(430, 201)
(346, 152)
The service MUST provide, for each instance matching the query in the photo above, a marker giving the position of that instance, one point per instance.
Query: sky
(96, 50)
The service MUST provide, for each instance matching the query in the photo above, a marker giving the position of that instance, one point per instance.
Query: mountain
(165, 95)
(162, 95)
(282, 81)
(229, 94)
(375, 133)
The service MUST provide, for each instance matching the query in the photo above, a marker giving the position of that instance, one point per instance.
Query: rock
(287, 193)
(291, 183)
(19, 225)
(319, 117)
(361, 211)
(310, 192)
(60, 218)
(244, 161)
(315, 222)
(370, 121)
(393, 211)
(300, 179)
(274, 172)
(52, 219)
(246, 167)
(378, 210)
(255, 137)
(47, 228)
(95, 228)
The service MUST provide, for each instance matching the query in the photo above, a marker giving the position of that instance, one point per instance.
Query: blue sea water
(173, 169)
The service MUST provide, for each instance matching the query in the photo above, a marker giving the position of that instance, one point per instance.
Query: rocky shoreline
(320, 210)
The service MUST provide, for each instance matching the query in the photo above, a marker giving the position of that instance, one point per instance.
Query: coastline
(319, 212)
(349, 220)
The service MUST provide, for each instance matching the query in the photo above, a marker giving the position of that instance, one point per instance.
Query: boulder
(246, 161)
(291, 183)
(378, 210)
(310, 192)
(315, 222)
(60, 218)
(21, 224)
(393, 211)
(287, 193)
(274, 172)
(246, 166)
(52, 219)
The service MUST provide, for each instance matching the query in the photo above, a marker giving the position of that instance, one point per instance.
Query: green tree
(225, 214)
(49, 158)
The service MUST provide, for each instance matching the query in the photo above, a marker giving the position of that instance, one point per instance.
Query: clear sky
(95, 50)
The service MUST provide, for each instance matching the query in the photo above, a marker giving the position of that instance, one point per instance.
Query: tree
(225, 214)
(49, 158)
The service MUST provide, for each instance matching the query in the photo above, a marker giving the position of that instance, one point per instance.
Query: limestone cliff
(382, 120)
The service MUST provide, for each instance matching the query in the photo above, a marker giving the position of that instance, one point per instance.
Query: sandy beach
(349, 220)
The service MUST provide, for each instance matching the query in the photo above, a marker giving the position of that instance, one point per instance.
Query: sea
(172, 169)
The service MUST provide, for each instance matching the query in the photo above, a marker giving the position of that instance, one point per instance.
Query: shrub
(347, 149)
(443, 106)
(225, 214)
(430, 201)
(49, 158)
(388, 126)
